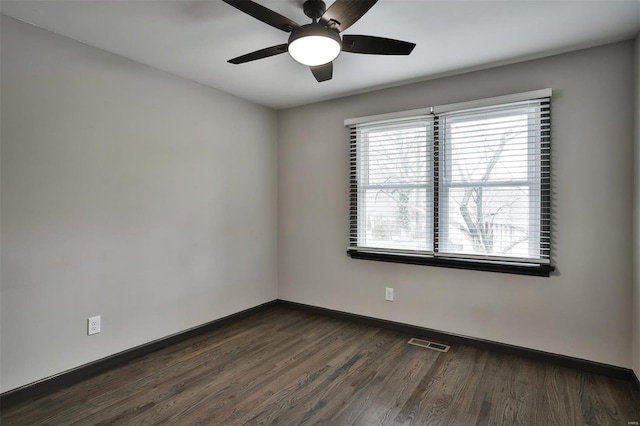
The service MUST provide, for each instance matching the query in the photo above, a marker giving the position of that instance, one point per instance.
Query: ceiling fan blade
(323, 72)
(264, 14)
(375, 45)
(259, 54)
(346, 12)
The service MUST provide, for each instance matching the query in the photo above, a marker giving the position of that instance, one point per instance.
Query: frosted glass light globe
(314, 45)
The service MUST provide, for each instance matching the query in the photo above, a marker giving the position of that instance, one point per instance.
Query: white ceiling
(194, 39)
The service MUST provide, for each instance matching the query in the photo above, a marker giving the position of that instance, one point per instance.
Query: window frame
(539, 186)
(531, 182)
(362, 171)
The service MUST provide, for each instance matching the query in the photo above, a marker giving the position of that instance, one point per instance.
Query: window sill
(520, 269)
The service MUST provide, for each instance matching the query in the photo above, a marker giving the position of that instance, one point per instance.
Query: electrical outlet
(93, 325)
(388, 294)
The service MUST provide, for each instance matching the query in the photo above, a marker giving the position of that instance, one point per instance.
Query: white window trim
(438, 109)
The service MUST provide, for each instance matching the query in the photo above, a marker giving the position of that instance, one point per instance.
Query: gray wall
(585, 310)
(635, 354)
(127, 193)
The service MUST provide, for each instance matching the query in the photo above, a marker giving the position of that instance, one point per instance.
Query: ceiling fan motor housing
(314, 9)
(314, 30)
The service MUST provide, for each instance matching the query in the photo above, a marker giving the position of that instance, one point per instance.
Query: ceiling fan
(317, 44)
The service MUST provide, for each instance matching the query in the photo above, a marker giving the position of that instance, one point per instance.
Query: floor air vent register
(429, 345)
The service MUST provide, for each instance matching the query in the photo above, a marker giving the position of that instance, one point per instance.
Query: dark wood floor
(286, 367)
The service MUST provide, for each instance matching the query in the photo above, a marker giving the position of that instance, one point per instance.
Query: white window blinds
(392, 184)
(494, 166)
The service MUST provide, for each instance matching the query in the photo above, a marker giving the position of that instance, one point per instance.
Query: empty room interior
(306, 212)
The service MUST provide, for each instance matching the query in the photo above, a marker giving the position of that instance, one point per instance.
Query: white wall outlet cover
(388, 294)
(93, 325)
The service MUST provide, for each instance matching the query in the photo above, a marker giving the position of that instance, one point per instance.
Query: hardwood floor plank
(472, 362)
(447, 396)
(258, 385)
(419, 397)
(367, 375)
(598, 405)
(509, 393)
(285, 367)
(394, 380)
(306, 401)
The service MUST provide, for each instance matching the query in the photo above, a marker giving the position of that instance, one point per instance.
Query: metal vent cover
(429, 345)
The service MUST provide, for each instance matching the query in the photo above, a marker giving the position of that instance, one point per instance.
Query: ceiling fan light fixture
(314, 45)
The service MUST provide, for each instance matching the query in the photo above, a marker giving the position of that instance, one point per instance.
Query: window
(465, 185)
